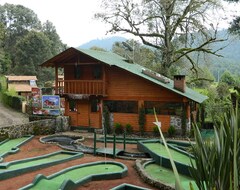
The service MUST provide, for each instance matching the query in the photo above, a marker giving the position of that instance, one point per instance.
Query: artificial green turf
(30, 163)
(160, 149)
(166, 176)
(9, 144)
(76, 175)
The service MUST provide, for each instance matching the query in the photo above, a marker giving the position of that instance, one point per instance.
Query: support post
(95, 140)
(114, 145)
(124, 140)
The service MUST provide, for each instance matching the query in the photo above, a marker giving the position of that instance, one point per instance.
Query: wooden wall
(122, 85)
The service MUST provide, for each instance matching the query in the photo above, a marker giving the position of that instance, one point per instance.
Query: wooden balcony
(90, 87)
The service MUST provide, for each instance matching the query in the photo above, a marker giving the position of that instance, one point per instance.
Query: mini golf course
(160, 169)
(74, 144)
(78, 175)
(11, 146)
(166, 176)
(14, 168)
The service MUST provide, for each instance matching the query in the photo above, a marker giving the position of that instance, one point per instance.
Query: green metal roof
(116, 60)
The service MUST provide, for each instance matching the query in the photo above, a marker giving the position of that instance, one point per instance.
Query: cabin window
(163, 108)
(77, 72)
(122, 106)
(97, 72)
(72, 105)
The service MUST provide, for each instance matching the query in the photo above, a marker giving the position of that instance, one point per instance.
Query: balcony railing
(92, 87)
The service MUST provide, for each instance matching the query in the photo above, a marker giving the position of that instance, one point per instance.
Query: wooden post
(104, 80)
(56, 80)
(114, 145)
(95, 139)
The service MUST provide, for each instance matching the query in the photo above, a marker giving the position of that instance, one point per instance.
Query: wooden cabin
(94, 79)
(22, 84)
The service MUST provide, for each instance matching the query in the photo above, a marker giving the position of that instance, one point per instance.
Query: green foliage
(128, 129)
(228, 78)
(12, 100)
(216, 105)
(106, 123)
(141, 119)
(217, 161)
(171, 131)
(155, 131)
(118, 129)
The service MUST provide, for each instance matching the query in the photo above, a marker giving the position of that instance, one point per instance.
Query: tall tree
(31, 51)
(135, 52)
(50, 31)
(170, 26)
(18, 20)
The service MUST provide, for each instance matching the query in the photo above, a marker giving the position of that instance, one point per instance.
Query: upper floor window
(77, 72)
(97, 72)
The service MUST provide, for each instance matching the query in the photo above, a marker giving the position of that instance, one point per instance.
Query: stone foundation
(39, 127)
(148, 179)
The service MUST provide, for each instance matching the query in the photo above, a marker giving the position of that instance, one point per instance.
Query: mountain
(105, 43)
(217, 65)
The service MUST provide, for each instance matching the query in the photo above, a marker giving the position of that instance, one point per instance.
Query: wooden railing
(95, 87)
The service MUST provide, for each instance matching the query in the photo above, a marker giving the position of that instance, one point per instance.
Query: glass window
(163, 108)
(72, 105)
(122, 106)
(97, 72)
(77, 72)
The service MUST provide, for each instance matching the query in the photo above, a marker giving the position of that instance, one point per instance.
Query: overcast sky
(73, 19)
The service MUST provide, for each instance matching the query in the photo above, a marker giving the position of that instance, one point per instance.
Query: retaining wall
(39, 127)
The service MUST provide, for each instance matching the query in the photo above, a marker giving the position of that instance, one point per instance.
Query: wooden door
(83, 113)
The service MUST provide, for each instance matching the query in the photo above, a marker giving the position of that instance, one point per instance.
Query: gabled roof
(113, 59)
(21, 78)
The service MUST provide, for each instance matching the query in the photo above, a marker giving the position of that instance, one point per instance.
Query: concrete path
(9, 116)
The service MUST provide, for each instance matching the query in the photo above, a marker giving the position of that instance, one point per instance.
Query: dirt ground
(36, 148)
(9, 116)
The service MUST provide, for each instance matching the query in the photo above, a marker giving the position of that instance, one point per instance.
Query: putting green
(166, 176)
(160, 149)
(79, 175)
(14, 168)
(9, 144)
(30, 163)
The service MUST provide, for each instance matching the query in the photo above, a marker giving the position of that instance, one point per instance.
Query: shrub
(141, 120)
(106, 123)
(171, 131)
(156, 131)
(128, 128)
(118, 129)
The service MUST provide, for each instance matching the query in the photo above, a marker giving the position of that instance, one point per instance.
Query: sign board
(50, 102)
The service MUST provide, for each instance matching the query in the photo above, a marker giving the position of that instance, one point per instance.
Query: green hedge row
(14, 102)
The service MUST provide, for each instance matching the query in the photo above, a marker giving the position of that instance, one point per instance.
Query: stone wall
(176, 121)
(39, 127)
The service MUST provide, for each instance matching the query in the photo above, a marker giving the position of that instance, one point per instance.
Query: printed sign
(50, 102)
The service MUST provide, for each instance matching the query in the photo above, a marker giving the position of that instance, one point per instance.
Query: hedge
(14, 102)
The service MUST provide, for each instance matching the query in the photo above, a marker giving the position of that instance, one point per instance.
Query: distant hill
(105, 43)
(217, 65)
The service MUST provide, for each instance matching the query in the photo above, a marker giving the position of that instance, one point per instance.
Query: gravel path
(9, 116)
